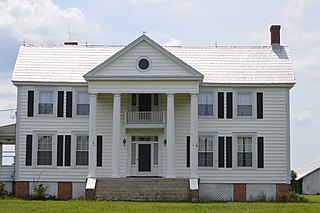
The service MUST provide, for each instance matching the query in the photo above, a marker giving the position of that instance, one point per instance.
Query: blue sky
(176, 22)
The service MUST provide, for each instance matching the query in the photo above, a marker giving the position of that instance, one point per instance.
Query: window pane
(83, 103)
(133, 154)
(45, 102)
(244, 155)
(8, 154)
(205, 104)
(44, 150)
(205, 159)
(244, 110)
(155, 154)
(82, 152)
(244, 107)
(205, 151)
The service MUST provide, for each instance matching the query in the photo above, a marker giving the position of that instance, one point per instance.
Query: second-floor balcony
(145, 119)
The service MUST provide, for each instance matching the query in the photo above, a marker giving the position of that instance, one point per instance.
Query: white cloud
(172, 42)
(175, 5)
(308, 67)
(7, 92)
(42, 21)
(302, 116)
(295, 8)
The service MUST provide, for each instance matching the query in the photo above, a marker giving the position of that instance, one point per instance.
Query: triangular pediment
(143, 59)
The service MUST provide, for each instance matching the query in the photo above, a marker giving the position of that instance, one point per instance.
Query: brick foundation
(90, 194)
(239, 192)
(283, 192)
(65, 190)
(194, 195)
(21, 189)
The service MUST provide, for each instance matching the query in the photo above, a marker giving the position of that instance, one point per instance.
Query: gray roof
(8, 130)
(218, 64)
(308, 168)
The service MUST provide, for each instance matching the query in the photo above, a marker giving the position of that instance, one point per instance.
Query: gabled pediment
(143, 59)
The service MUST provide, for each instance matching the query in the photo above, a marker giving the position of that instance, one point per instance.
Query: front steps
(143, 189)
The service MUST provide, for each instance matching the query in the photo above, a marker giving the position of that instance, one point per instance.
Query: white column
(116, 136)
(93, 137)
(194, 136)
(170, 136)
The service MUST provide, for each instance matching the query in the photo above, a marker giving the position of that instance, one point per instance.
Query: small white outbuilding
(309, 177)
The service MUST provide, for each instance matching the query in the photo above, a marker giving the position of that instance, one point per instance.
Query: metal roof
(8, 130)
(218, 64)
(307, 168)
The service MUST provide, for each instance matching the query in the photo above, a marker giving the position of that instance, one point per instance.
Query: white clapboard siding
(272, 127)
(62, 126)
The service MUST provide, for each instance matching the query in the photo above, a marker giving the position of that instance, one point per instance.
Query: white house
(216, 114)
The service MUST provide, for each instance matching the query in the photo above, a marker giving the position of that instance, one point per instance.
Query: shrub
(3, 192)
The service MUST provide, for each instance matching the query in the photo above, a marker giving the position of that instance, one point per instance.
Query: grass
(19, 205)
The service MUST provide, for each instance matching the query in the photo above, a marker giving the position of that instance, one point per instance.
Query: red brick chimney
(275, 34)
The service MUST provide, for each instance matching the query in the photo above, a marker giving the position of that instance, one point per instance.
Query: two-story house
(210, 119)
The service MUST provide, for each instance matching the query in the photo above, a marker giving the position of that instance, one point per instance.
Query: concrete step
(151, 189)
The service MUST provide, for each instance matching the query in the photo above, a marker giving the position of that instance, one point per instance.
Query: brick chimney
(275, 34)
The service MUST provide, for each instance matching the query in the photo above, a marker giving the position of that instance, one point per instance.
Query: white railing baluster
(155, 117)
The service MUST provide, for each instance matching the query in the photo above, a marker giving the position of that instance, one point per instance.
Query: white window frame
(75, 108)
(253, 104)
(214, 149)
(35, 137)
(74, 148)
(54, 96)
(214, 104)
(235, 137)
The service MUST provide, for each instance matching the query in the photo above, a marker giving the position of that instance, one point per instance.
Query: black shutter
(67, 150)
(229, 152)
(188, 151)
(29, 150)
(30, 103)
(60, 103)
(259, 105)
(60, 150)
(69, 105)
(229, 105)
(221, 152)
(260, 153)
(99, 150)
(220, 105)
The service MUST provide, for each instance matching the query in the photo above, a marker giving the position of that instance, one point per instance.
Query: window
(44, 150)
(82, 152)
(205, 151)
(83, 103)
(143, 63)
(155, 154)
(205, 104)
(7, 154)
(45, 102)
(244, 152)
(133, 154)
(244, 107)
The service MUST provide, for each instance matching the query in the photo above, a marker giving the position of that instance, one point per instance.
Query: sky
(176, 22)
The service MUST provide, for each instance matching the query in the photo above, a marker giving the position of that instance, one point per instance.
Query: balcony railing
(155, 117)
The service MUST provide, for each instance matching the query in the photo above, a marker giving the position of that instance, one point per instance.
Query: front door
(144, 155)
(144, 158)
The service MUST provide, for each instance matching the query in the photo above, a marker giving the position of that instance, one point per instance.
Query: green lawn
(18, 205)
